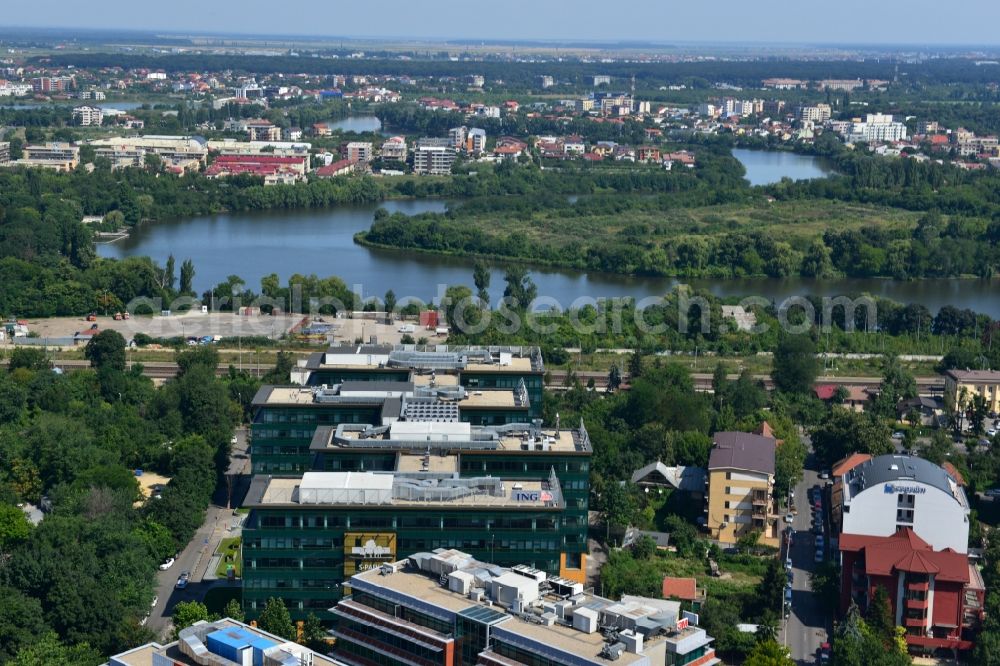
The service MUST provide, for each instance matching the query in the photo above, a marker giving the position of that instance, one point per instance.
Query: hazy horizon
(852, 22)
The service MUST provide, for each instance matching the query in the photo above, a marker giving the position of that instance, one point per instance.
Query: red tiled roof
(335, 168)
(953, 472)
(845, 465)
(905, 551)
(825, 391)
(685, 589)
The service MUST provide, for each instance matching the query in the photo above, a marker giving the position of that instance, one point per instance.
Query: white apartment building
(87, 116)
(877, 127)
(433, 157)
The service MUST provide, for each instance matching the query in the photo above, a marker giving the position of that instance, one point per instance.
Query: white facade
(433, 156)
(876, 127)
(88, 115)
(891, 492)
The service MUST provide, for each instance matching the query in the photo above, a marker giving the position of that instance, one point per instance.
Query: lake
(256, 244)
(770, 166)
(357, 124)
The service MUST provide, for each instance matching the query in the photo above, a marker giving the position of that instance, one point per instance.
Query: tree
(106, 350)
(390, 302)
(49, 651)
(748, 541)
(314, 636)
(28, 358)
(843, 432)
(769, 653)
(614, 378)
(234, 610)
(276, 620)
(187, 613)
(795, 364)
(619, 506)
(187, 278)
(772, 586)
(879, 618)
(520, 290)
(14, 527)
(21, 622)
(897, 384)
(644, 548)
(635, 364)
(169, 278)
(481, 276)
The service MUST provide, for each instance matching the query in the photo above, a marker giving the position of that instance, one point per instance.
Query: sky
(842, 22)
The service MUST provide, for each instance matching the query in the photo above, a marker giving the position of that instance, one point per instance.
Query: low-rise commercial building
(225, 642)
(57, 156)
(171, 149)
(445, 607)
(274, 169)
(740, 487)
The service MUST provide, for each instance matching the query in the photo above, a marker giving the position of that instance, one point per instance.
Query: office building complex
(446, 608)
(508, 494)
(740, 485)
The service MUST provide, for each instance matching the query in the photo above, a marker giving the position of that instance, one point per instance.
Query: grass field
(229, 549)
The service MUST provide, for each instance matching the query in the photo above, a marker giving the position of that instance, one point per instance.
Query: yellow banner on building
(367, 550)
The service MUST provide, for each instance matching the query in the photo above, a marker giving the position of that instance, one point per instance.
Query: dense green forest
(70, 443)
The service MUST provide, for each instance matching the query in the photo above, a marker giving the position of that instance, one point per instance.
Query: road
(806, 627)
(197, 555)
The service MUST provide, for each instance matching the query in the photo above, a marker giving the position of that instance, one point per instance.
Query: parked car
(898, 434)
(155, 601)
(182, 580)
(993, 492)
(167, 563)
(825, 474)
(818, 557)
(789, 518)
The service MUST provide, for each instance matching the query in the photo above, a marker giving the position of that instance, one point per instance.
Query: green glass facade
(280, 434)
(297, 552)
(533, 382)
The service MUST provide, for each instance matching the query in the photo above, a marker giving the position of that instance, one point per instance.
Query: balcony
(759, 497)
(916, 604)
(915, 622)
(917, 586)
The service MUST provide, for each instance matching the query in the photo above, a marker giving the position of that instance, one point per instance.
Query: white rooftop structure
(345, 487)
(431, 431)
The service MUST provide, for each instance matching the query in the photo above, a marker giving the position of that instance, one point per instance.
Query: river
(255, 244)
(770, 166)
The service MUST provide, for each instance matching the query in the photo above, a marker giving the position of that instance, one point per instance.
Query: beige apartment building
(960, 386)
(740, 487)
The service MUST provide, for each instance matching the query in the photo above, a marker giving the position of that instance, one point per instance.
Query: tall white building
(816, 113)
(88, 115)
